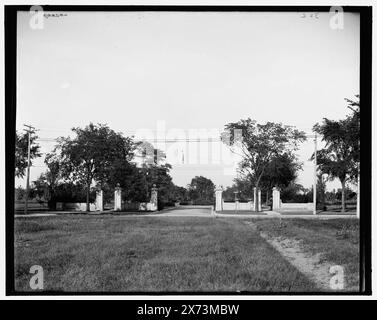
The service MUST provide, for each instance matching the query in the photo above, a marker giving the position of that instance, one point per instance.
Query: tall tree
(341, 156)
(158, 176)
(21, 151)
(180, 193)
(294, 192)
(229, 193)
(201, 188)
(155, 172)
(321, 190)
(257, 144)
(92, 154)
(49, 180)
(149, 154)
(137, 181)
(281, 171)
(353, 120)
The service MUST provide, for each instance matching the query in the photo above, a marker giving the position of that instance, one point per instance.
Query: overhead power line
(311, 136)
(30, 129)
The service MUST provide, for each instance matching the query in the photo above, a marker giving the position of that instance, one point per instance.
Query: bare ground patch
(311, 265)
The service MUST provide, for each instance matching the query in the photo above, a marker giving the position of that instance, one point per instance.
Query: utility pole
(29, 131)
(315, 176)
(358, 196)
(235, 200)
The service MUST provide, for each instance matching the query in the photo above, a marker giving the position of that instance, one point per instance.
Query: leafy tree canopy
(93, 154)
(201, 188)
(21, 152)
(258, 143)
(341, 156)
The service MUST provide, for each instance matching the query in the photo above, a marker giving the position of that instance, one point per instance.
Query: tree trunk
(87, 197)
(256, 200)
(343, 196)
(51, 199)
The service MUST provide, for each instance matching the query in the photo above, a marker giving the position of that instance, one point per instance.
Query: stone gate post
(219, 199)
(259, 199)
(99, 200)
(154, 199)
(275, 199)
(118, 198)
(255, 196)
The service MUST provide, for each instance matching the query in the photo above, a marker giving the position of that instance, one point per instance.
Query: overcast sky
(185, 71)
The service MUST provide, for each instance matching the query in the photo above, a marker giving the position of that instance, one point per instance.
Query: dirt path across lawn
(310, 265)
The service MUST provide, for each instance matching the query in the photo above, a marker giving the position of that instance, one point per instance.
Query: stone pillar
(219, 199)
(259, 198)
(154, 201)
(275, 199)
(255, 196)
(118, 198)
(99, 200)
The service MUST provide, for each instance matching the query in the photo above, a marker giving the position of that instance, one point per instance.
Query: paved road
(181, 211)
(203, 211)
(188, 211)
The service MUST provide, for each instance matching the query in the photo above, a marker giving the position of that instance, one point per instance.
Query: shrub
(72, 193)
(203, 202)
(160, 204)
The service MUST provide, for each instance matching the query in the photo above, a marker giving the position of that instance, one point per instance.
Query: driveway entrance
(189, 211)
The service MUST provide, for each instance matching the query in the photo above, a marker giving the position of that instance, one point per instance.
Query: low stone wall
(139, 206)
(280, 206)
(32, 205)
(74, 206)
(238, 206)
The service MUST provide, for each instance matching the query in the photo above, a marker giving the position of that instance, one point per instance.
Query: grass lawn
(337, 213)
(337, 240)
(136, 254)
(310, 213)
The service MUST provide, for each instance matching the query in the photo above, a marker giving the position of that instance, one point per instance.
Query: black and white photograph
(188, 150)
